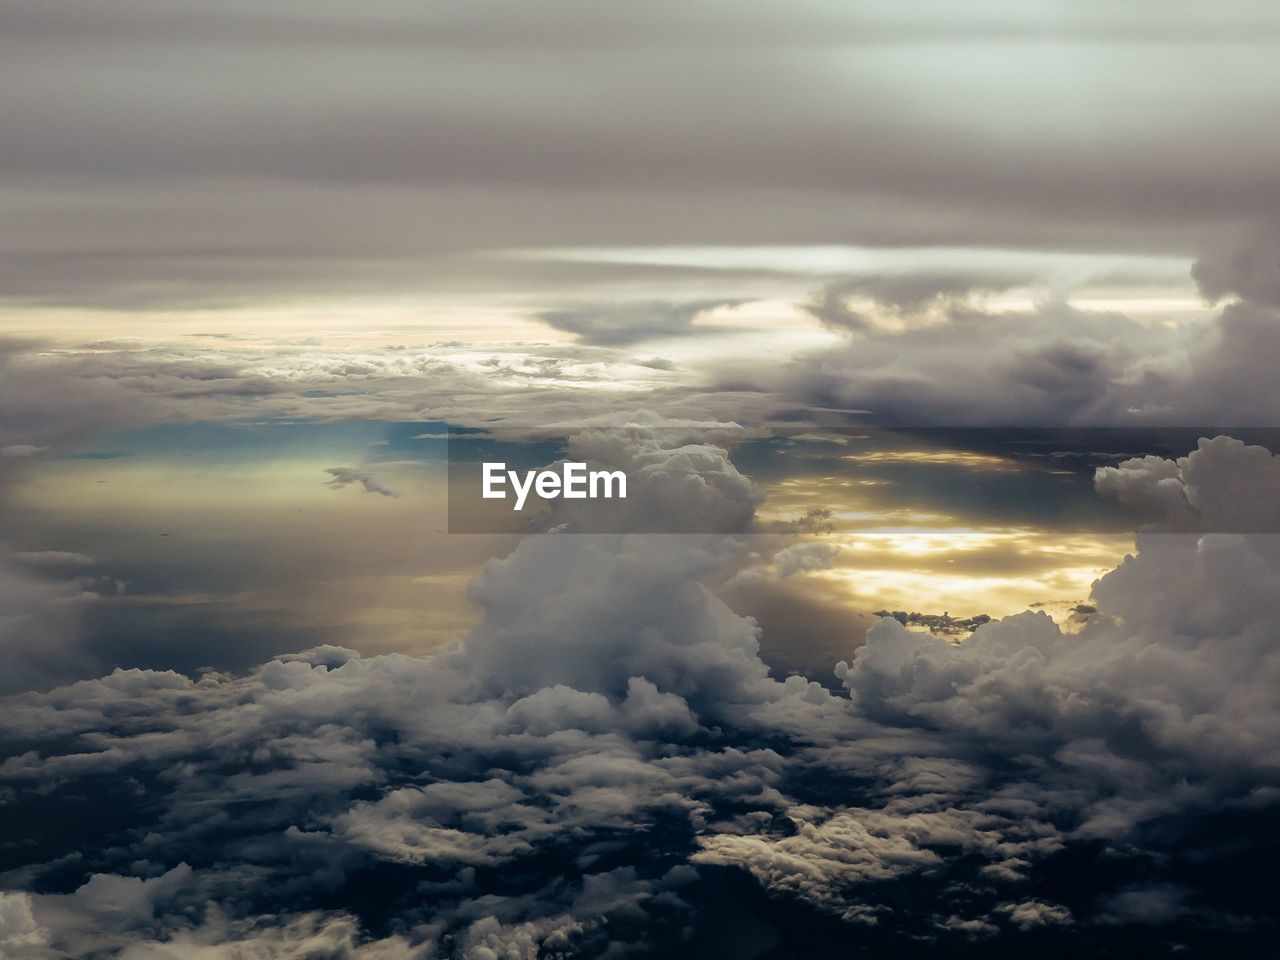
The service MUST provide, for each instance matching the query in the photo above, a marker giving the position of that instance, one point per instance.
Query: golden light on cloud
(952, 458)
(937, 559)
(357, 323)
(971, 572)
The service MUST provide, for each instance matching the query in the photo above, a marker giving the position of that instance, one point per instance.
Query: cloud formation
(610, 716)
(1224, 485)
(620, 325)
(899, 300)
(255, 171)
(679, 480)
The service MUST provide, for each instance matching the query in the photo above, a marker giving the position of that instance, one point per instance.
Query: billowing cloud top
(641, 746)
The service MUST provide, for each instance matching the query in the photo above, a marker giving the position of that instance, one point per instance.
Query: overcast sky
(161, 154)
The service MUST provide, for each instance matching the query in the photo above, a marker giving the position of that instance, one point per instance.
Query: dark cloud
(1052, 365)
(43, 404)
(1248, 267)
(43, 592)
(630, 323)
(42, 598)
(571, 775)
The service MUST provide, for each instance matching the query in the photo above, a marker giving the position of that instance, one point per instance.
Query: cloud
(1034, 913)
(43, 403)
(551, 592)
(547, 782)
(805, 557)
(1248, 267)
(42, 594)
(1228, 380)
(1052, 366)
(898, 300)
(623, 324)
(963, 363)
(572, 772)
(21, 450)
(18, 926)
(1151, 903)
(826, 862)
(52, 558)
(1087, 154)
(345, 476)
(679, 480)
(1224, 485)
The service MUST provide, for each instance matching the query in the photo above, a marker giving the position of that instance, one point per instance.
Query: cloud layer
(572, 773)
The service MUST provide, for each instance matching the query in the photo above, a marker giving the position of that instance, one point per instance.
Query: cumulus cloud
(552, 592)
(679, 480)
(833, 855)
(498, 763)
(1224, 485)
(564, 777)
(805, 557)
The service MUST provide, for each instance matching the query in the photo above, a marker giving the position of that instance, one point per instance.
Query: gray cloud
(609, 713)
(569, 775)
(1248, 267)
(630, 323)
(42, 595)
(903, 297)
(43, 403)
(159, 155)
(678, 481)
(1052, 365)
(346, 476)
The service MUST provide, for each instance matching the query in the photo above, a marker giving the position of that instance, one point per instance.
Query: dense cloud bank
(162, 154)
(960, 363)
(604, 764)
(927, 348)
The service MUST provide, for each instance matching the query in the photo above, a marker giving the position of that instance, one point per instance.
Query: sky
(938, 343)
